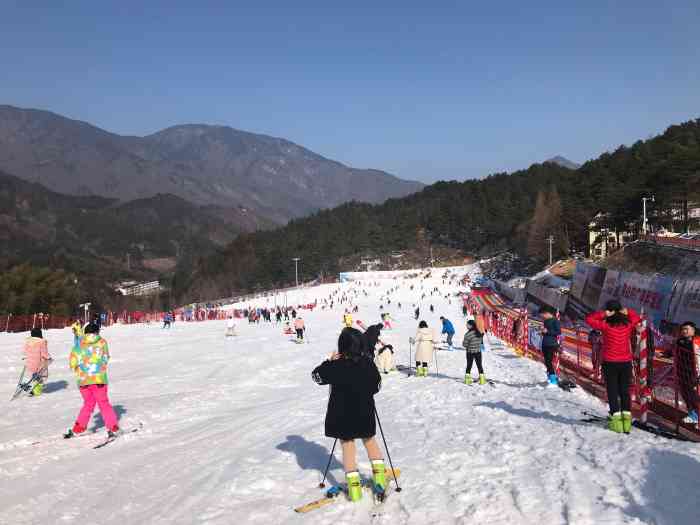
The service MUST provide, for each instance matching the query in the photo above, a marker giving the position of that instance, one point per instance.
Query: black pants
(471, 357)
(300, 333)
(617, 380)
(548, 354)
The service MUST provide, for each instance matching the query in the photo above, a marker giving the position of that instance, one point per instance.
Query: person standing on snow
(617, 325)
(472, 343)
(425, 338)
(77, 330)
(347, 319)
(687, 362)
(550, 342)
(449, 329)
(36, 361)
(230, 327)
(354, 381)
(89, 362)
(299, 327)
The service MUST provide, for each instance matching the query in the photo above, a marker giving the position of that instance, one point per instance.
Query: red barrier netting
(665, 374)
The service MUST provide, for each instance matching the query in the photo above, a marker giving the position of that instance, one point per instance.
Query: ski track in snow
(233, 432)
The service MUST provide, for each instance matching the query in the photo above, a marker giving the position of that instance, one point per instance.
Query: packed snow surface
(233, 432)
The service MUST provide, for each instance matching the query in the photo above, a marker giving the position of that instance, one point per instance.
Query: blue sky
(424, 90)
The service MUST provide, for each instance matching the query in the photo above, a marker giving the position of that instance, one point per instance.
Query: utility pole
(550, 240)
(644, 213)
(296, 269)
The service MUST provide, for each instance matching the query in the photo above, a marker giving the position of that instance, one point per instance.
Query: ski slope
(233, 433)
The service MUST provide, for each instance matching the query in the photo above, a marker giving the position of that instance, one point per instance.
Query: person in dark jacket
(617, 324)
(354, 379)
(550, 342)
(472, 342)
(687, 356)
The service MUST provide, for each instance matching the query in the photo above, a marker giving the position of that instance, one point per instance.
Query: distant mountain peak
(564, 162)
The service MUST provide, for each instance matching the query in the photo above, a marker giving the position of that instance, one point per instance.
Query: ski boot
(626, 421)
(553, 380)
(482, 379)
(354, 485)
(691, 418)
(37, 390)
(615, 422)
(379, 474)
(72, 432)
(113, 432)
(468, 379)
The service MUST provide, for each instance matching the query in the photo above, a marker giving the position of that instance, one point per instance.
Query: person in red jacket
(617, 325)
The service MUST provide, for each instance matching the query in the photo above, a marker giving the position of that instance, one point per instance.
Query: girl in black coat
(354, 380)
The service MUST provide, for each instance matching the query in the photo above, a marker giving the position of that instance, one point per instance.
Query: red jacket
(617, 340)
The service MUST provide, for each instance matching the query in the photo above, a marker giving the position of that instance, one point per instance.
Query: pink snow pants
(96, 394)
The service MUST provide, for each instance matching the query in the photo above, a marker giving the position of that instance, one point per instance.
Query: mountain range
(206, 165)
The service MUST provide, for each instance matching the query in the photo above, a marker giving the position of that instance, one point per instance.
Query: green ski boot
(354, 485)
(482, 379)
(38, 389)
(615, 422)
(468, 379)
(379, 473)
(626, 421)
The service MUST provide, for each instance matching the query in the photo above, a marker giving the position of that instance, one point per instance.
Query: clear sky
(426, 90)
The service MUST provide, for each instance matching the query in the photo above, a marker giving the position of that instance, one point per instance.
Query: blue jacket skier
(448, 329)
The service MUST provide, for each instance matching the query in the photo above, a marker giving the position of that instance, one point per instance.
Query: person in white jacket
(425, 338)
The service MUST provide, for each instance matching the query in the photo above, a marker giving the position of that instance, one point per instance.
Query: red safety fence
(678, 242)
(665, 374)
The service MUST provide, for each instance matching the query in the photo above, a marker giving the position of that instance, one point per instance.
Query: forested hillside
(514, 211)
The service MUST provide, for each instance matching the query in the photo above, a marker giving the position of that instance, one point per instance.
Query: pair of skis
(103, 443)
(652, 429)
(336, 493)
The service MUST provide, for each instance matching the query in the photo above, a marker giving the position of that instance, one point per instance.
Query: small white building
(147, 288)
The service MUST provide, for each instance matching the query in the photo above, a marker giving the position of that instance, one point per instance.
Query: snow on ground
(233, 433)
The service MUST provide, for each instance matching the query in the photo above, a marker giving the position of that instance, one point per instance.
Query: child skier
(472, 342)
(354, 380)
(77, 330)
(385, 359)
(347, 319)
(449, 329)
(89, 362)
(424, 348)
(37, 359)
(299, 327)
(230, 327)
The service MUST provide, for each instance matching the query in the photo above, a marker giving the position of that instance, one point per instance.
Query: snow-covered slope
(233, 433)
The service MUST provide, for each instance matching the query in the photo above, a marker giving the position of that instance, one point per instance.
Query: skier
(424, 348)
(688, 358)
(416, 313)
(449, 329)
(347, 319)
(299, 328)
(472, 342)
(550, 342)
(385, 359)
(230, 327)
(77, 330)
(89, 362)
(167, 320)
(387, 321)
(354, 380)
(617, 324)
(37, 359)
(432, 309)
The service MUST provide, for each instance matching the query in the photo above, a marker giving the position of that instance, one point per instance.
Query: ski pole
(437, 370)
(330, 458)
(410, 354)
(391, 464)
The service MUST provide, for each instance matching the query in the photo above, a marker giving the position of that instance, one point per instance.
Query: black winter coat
(350, 413)
(372, 336)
